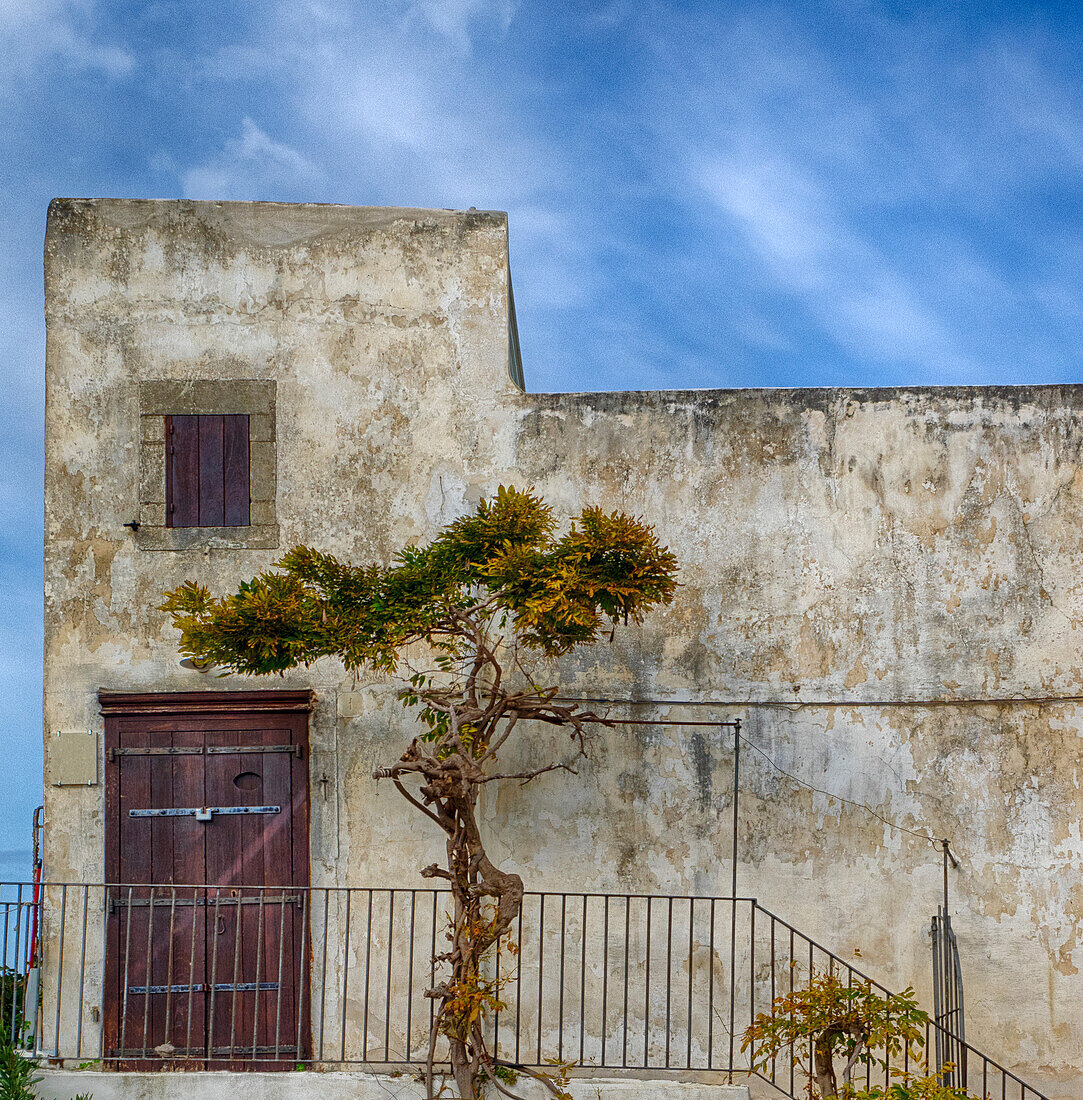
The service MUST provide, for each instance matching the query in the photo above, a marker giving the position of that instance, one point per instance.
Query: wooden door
(207, 861)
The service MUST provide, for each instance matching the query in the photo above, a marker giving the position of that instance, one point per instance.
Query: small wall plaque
(73, 760)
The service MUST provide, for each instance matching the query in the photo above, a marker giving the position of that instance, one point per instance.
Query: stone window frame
(252, 396)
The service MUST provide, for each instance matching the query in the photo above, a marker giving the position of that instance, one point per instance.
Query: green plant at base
(18, 1075)
(12, 994)
(848, 1021)
(468, 615)
(912, 1088)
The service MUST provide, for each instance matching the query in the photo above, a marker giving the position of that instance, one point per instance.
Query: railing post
(733, 887)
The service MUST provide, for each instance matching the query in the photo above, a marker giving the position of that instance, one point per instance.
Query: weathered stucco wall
(884, 584)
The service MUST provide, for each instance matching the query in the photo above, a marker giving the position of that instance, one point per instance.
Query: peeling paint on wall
(885, 585)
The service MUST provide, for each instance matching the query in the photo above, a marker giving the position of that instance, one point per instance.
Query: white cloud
(896, 192)
(455, 19)
(251, 166)
(843, 282)
(397, 117)
(409, 121)
(1045, 116)
(391, 105)
(33, 31)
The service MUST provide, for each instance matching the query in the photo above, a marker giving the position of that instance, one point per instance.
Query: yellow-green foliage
(18, 1075)
(849, 1021)
(557, 592)
(916, 1088)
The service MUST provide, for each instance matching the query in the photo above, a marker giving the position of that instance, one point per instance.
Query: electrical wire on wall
(935, 841)
(943, 844)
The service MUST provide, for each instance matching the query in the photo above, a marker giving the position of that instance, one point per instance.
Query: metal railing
(948, 1001)
(228, 977)
(19, 992)
(791, 956)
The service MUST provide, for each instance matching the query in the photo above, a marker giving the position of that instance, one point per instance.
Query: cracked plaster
(876, 580)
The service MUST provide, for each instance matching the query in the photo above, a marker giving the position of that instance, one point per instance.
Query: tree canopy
(504, 559)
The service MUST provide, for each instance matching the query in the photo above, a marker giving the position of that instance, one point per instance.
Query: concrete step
(308, 1085)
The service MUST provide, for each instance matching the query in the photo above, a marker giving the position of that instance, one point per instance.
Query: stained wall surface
(883, 584)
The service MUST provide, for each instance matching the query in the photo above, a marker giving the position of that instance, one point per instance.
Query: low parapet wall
(64, 1084)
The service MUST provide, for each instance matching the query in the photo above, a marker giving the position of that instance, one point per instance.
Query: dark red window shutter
(207, 471)
(212, 489)
(235, 471)
(182, 471)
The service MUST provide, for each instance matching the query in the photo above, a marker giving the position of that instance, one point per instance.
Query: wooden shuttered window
(207, 470)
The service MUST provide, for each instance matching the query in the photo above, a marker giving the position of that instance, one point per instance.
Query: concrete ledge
(64, 1084)
(254, 537)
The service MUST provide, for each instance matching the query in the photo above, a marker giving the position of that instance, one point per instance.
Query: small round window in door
(247, 781)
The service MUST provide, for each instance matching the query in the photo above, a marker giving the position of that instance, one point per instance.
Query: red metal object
(32, 951)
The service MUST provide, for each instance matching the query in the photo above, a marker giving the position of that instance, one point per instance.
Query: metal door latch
(205, 987)
(204, 813)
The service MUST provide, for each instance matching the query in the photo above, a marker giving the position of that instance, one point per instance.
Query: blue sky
(700, 194)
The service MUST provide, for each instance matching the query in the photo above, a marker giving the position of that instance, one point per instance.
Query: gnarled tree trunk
(823, 1064)
(486, 901)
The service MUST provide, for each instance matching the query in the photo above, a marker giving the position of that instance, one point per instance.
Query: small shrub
(18, 1075)
(916, 1088)
(12, 986)
(852, 1024)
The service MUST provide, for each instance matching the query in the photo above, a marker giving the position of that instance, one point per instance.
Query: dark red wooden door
(207, 857)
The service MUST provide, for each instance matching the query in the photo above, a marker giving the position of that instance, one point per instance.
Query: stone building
(883, 585)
